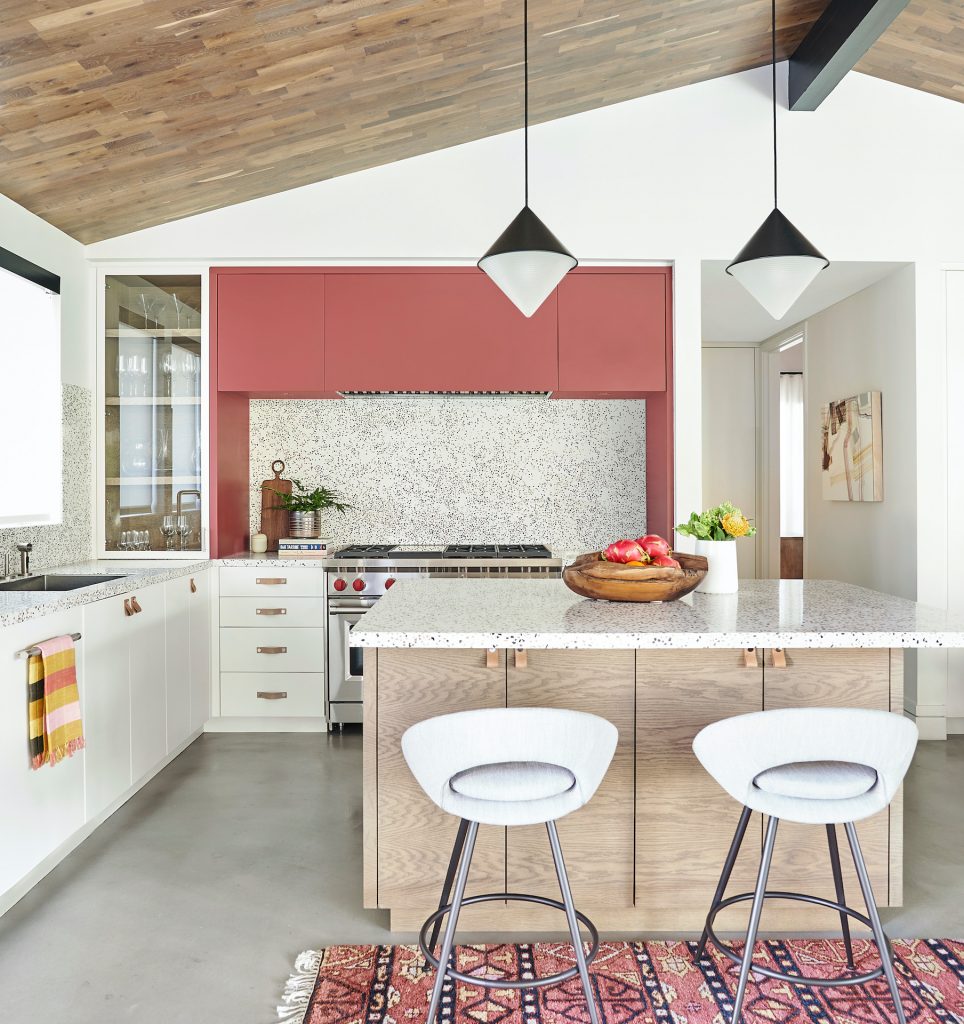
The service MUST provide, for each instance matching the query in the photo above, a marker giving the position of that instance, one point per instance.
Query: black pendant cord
(773, 91)
(525, 101)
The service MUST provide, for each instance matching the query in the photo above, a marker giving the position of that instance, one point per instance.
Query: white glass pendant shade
(527, 261)
(777, 265)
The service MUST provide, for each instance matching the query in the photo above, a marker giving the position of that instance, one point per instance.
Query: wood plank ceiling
(120, 114)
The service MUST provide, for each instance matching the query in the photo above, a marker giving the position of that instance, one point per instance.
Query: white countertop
(253, 559)
(546, 614)
(22, 605)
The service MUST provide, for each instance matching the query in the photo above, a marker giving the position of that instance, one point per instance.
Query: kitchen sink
(53, 581)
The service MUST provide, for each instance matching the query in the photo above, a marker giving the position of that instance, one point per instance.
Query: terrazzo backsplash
(570, 474)
(73, 539)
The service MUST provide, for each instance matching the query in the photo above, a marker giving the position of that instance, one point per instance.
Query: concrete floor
(190, 903)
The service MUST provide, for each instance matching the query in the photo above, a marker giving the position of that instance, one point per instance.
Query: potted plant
(303, 507)
(715, 530)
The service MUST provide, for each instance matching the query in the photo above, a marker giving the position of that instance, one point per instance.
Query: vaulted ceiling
(120, 114)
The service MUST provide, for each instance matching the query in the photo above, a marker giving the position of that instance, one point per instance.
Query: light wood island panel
(645, 854)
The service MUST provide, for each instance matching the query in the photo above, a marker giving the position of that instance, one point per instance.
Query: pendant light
(778, 263)
(527, 260)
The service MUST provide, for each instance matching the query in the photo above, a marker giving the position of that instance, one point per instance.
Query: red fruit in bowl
(654, 545)
(665, 562)
(625, 551)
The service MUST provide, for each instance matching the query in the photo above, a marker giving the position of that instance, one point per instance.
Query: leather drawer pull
(271, 611)
(271, 581)
(127, 606)
(193, 586)
(779, 657)
(272, 650)
(749, 657)
(491, 658)
(272, 694)
(522, 659)
(135, 605)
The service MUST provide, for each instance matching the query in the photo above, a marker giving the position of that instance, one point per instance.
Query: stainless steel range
(357, 576)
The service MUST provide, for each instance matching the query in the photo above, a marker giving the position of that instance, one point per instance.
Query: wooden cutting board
(274, 521)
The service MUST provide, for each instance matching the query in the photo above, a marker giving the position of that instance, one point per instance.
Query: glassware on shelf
(183, 529)
(134, 460)
(162, 454)
(167, 371)
(168, 529)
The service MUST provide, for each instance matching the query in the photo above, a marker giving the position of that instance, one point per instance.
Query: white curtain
(791, 454)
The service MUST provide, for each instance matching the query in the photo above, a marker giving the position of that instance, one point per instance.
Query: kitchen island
(645, 854)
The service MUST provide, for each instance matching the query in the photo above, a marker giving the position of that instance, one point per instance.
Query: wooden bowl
(590, 576)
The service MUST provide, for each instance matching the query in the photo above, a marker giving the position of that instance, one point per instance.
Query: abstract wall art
(853, 449)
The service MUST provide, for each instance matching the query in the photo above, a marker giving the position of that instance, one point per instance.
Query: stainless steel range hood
(444, 394)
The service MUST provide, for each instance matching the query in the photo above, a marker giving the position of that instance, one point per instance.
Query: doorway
(790, 358)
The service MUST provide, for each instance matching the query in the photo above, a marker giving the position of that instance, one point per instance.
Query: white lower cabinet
(199, 617)
(272, 641)
(148, 681)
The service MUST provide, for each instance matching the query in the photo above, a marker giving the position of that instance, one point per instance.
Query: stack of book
(304, 547)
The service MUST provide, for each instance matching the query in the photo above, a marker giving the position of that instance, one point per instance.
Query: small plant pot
(722, 577)
(303, 524)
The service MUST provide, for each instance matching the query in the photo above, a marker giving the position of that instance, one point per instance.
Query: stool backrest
(735, 750)
(440, 747)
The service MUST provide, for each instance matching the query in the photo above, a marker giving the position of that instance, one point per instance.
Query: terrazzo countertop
(21, 605)
(546, 614)
(252, 559)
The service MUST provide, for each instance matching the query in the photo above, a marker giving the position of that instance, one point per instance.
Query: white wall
(955, 488)
(866, 343)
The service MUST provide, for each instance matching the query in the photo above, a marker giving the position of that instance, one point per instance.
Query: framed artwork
(853, 449)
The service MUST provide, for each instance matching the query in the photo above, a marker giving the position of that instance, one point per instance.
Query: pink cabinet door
(434, 330)
(270, 332)
(612, 332)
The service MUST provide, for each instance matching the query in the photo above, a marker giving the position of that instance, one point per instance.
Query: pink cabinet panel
(438, 330)
(270, 332)
(613, 330)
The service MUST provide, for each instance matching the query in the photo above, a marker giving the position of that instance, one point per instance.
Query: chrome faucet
(25, 550)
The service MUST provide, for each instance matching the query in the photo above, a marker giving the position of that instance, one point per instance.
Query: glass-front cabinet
(153, 376)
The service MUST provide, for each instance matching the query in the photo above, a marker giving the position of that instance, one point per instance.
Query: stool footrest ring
(520, 983)
(766, 972)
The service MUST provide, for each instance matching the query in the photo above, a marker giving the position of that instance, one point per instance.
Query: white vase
(722, 577)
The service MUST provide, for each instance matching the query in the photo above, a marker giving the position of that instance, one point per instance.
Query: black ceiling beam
(838, 39)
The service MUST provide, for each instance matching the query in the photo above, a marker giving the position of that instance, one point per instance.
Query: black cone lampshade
(777, 265)
(527, 261)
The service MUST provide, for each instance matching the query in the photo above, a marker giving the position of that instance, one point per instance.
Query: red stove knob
(358, 584)
(339, 584)
(390, 582)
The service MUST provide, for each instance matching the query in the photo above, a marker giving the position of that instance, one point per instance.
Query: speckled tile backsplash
(73, 539)
(570, 474)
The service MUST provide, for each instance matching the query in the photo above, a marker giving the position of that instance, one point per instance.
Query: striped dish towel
(55, 728)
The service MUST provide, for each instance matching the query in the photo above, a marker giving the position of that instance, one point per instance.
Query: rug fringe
(300, 985)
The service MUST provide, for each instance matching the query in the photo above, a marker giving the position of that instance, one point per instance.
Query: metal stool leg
(839, 888)
(448, 940)
(571, 918)
(755, 912)
(880, 937)
(725, 876)
(449, 877)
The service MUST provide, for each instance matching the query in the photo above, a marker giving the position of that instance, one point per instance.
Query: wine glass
(167, 369)
(167, 531)
(183, 529)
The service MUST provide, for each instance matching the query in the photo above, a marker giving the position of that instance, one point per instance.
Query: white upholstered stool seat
(507, 766)
(816, 766)
(817, 780)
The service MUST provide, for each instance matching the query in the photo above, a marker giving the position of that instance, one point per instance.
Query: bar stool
(817, 766)
(507, 766)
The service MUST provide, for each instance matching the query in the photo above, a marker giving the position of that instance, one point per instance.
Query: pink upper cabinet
(613, 332)
(437, 330)
(270, 331)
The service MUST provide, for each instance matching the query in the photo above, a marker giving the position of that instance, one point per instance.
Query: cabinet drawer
(267, 610)
(278, 695)
(273, 580)
(272, 650)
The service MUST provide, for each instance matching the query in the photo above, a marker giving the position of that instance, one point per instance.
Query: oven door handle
(360, 604)
(348, 611)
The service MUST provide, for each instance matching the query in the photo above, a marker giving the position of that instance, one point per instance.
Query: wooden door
(177, 628)
(200, 633)
(854, 678)
(148, 682)
(684, 820)
(270, 332)
(414, 836)
(437, 330)
(597, 840)
(107, 702)
(612, 332)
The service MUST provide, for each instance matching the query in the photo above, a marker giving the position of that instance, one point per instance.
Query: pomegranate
(654, 545)
(665, 562)
(624, 551)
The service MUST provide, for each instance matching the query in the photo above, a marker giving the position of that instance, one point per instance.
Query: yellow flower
(736, 525)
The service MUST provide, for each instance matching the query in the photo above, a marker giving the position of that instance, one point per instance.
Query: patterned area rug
(645, 982)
